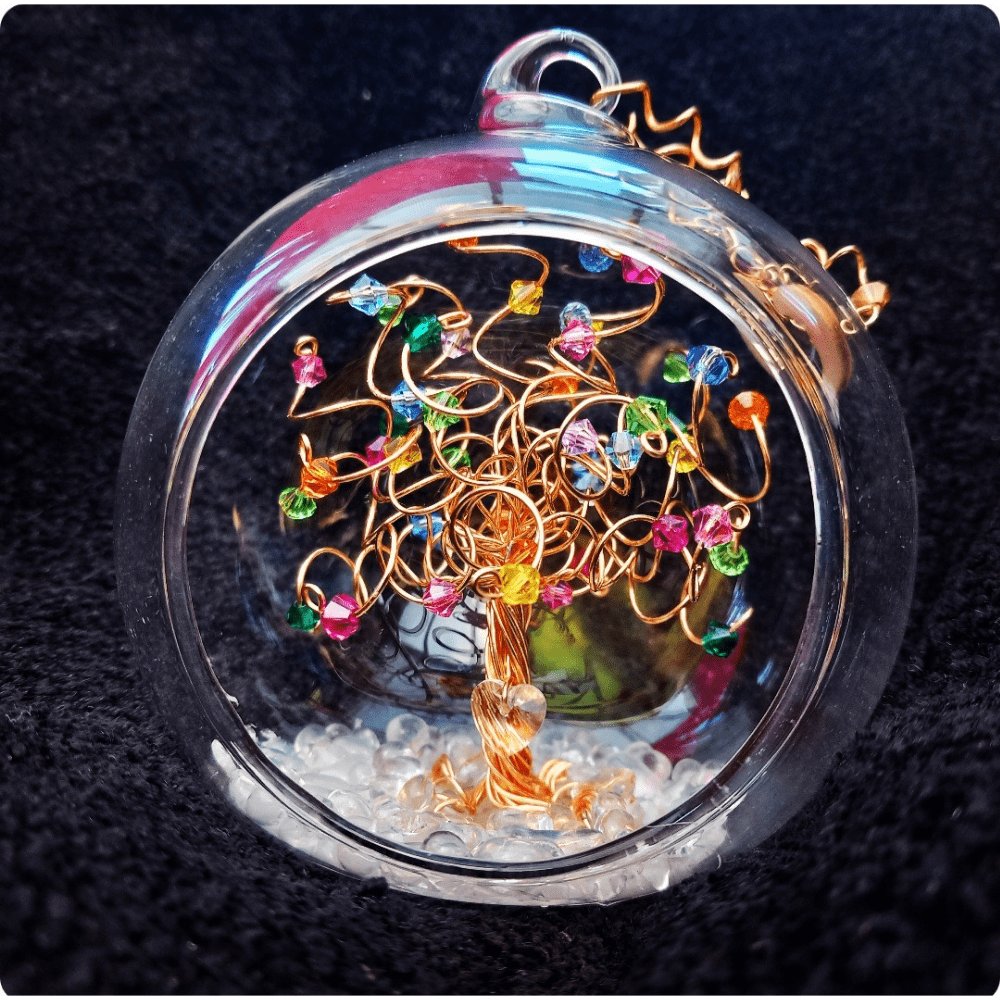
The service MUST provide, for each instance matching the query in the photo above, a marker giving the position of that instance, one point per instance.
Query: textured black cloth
(136, 144)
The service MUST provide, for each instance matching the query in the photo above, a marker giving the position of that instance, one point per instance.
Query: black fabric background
(136, 144)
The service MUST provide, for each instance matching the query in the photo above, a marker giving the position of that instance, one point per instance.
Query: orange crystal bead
(319, 478)
(564, 385)
(744, 406)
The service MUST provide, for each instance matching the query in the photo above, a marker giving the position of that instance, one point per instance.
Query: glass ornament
(372, 673)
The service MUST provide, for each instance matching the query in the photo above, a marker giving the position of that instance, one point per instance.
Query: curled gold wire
(515, 503)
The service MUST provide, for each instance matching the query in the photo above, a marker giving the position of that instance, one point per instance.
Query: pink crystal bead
(441, 597)
(670, 533)
(339, 618)
(576, 341)
(375, 451)
(579, 438)
(455, 343)
(309, 370)
(712, 526)
(638, 274)
(557, 595)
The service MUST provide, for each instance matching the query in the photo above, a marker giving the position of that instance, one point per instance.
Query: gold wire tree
(474, 493)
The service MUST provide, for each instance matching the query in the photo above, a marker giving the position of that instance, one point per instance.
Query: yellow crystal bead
(685, 463)
(519, 583)
(525, 298)
(407, 457)
(319, 478)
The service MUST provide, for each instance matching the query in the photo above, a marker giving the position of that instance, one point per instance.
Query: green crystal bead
(675, 368)
(423, 333)
(302, 617)
(457, 457)
(387, 312)
(438, 421)
(296, 504)
(647, 413)
(718, 640)
(400, 426)
(729, 560)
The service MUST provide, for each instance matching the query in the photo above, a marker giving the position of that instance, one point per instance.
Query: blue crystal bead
(585, 480)
(708, 362)
(405, 403)
(575, 312)
(594, 259)
(419, 522)
(624, 450)
(369, 295)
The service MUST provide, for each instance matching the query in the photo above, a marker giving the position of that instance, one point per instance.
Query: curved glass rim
(197, 416)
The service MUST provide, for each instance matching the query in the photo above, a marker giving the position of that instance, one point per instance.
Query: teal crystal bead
(400, 425)
(296, 504)
(728, 560)
(423, 333)
(675, 369)
(718, 640)
(302, 617)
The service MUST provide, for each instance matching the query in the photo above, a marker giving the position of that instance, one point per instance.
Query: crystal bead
(624, 449)
(419, 522)
(579, 438)
(744, 406)
(406, 458)
(441, 597)
(712, 526)
(576, 341)
(525, 298)
(296, 504)
(389, 310)
(727, 560)
(446, 844)
(375, 452)
(638, 274)
(675, 368)
(519, 584)
(405, 728)
(647, 413)
(455, 343)
(302, 617)
(457, 457)
(575, 312)
(308, 370)
(557, 595)
(405, 403)
(717, 641)
(398, 427)
(594, 259)
(423, 333)
(417, 793)
(339, 618)
(439, 421)
(708, 362)
(670, 533)
(585, 480)
(564, 385)
(685, 461)
(319, 478)
(369, 295)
